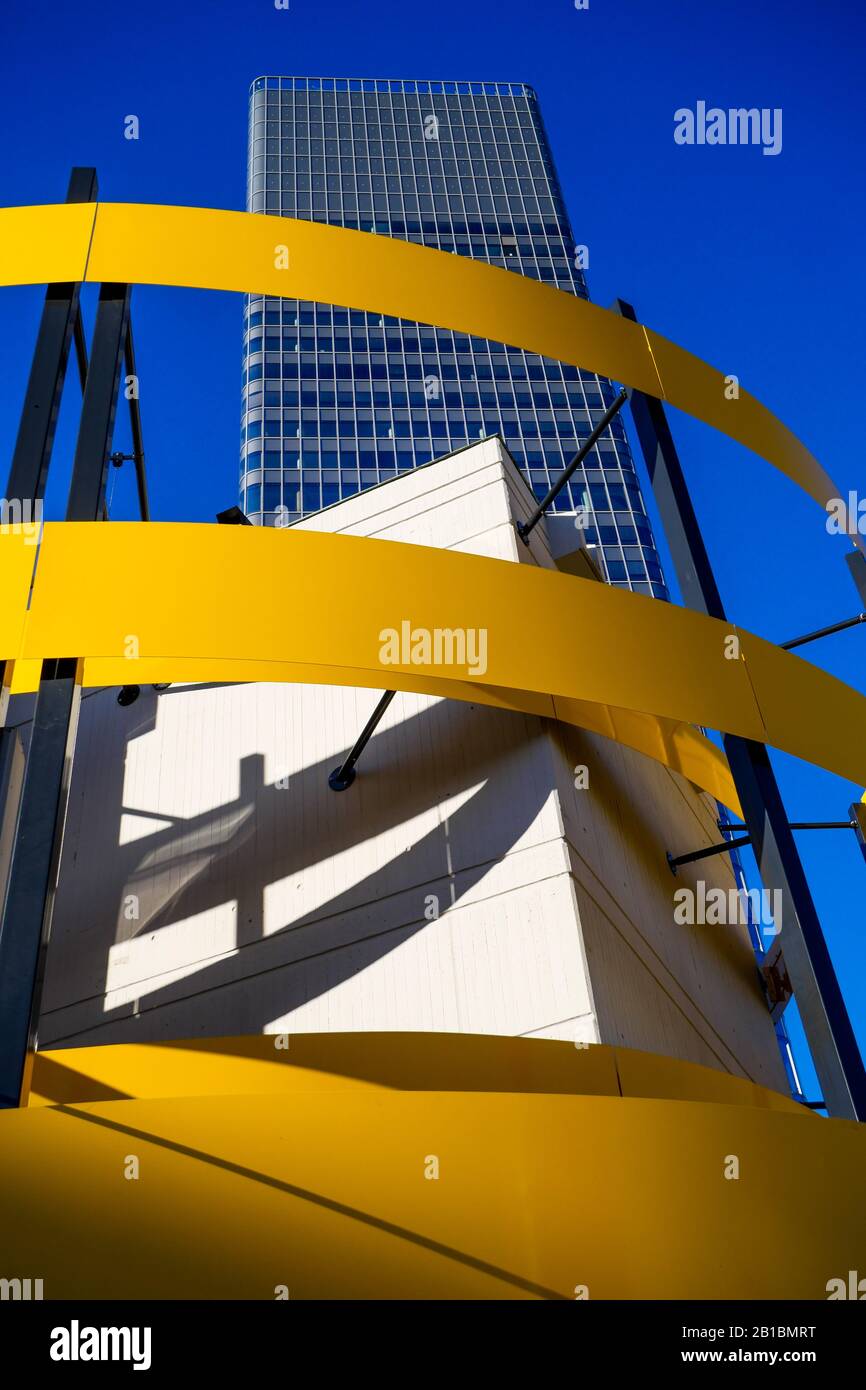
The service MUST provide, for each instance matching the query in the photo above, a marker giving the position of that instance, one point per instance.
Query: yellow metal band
(668, 670)
(212, 249)
(299, 1171)
(163, 602)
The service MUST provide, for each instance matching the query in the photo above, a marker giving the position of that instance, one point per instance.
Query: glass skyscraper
(336, 400)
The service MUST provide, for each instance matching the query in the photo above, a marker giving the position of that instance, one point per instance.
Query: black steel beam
(99, 407)
(33, 875)
(342, 777)
(135, 424)
(233, 516)
(816, 987)
(674, 861)
(26, 920)
(60, 324)
(80, 349)
(60, 314)
(806, 825)
(525, 528)
(819, 999)
(823, 632)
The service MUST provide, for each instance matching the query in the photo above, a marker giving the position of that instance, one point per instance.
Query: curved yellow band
(212, 249)
(298, 1165)
(182, 602)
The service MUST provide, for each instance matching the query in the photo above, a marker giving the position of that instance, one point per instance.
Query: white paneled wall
(212, 883)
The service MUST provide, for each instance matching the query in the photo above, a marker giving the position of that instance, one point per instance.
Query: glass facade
(336, 400)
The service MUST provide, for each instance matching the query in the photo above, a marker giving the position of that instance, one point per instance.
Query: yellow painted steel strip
(42, 245)
(315, 1185)
(174, 602)
(164, 561)
(279, 1064)
(215, 249)
(675, 744)
(17, 559)
(183, 590)
(212, 249)
(678, 746)
(698, 389)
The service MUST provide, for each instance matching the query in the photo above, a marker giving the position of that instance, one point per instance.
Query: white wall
(288, 907)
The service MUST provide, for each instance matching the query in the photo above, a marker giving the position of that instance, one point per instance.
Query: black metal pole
(99, 408)
(808, 825)
(80, 349)
(674, 861)
(60, 313)
(59, 326)
(33, 874)
(135, 424)
(822, 632)
(524, 528)
(27, 912)
(343, 777)
(819, 999)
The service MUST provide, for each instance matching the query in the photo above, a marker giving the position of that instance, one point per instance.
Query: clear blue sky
(754, 263)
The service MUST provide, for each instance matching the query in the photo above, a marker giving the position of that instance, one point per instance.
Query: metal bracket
(674, 862)
(776, 981)
(822, 632)
(524, 528)
(233, 516)
(820, 1001)
(342, 777)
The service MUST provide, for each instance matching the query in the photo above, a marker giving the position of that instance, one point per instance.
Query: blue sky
(753, 262)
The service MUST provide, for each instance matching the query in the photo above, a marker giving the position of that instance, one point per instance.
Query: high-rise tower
(336, 400)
